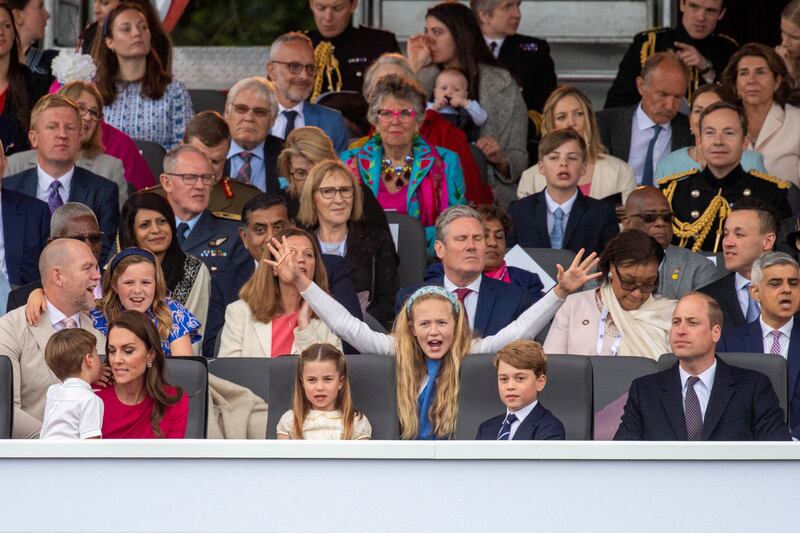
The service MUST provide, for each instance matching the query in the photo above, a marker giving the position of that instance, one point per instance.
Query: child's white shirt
(72, 411)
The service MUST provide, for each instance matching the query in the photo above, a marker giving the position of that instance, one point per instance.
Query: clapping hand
(284, 264)
(578, 274)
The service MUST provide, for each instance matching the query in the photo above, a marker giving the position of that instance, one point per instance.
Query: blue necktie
(753, 309)
(557, 235)
(505, 429)
(426, 400)
(647, 175)
(290, 117)
(182, 227)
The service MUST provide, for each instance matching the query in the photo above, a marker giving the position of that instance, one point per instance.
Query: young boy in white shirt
(72, 410)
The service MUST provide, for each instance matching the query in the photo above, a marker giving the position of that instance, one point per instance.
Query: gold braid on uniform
(648, 47)
(700, 228)
(327, 66)
(781, 184)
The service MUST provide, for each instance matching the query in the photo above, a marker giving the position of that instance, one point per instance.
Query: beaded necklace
(400, 175)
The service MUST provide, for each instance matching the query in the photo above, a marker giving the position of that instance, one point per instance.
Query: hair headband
(432, 289)
(128, 252)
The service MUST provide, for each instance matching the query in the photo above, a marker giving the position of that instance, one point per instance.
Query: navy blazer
(499, 304)
(724, 292)
(225, 290)
(743, 406)
(328, 120)
(272, 149)
(523, 279)
(748, 338)
(93, 191)
(540, 424)
(591, 224)
(26, 228)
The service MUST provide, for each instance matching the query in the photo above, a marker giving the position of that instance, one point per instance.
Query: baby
(451, 100)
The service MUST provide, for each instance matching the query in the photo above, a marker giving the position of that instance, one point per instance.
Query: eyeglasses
(260, 112)
(94, 238)
(649, 218)
(94, 113)
(299, 174)
(191, 179)
(403, 115)
(330, 192)
(630, 286)
(294, 67)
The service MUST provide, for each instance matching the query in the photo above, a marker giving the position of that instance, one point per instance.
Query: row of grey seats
(578, 387)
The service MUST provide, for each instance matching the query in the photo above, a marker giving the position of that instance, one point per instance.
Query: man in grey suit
(69, 274)
(644, 133)
(682, 270)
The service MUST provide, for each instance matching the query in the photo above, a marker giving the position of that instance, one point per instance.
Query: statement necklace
(398, 175)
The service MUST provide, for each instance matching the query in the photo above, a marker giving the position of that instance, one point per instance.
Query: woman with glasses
(623, 316)
(403, 171)
(141, 97)
(331, 207)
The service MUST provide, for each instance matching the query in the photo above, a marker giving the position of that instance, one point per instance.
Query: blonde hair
(591, 134)
(307, 215)
(73, 90)
(411, 372)
(52, 101)
(262, 292)
(66, 349)
(111, 305)
(309, 142)
(300, 404)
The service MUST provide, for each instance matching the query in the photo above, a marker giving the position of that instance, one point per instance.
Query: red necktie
(462, 293)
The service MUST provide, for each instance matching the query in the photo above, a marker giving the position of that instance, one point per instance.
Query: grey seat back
(411, 247)
(548, 258)
(372, 386)
(207, 100)
(281, 387)
(478, 399)
(249, 372)
(191, 374)
(6, 397)
(611, 378)
(153, 154)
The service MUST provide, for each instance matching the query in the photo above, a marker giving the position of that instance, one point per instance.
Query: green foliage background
(240, 22)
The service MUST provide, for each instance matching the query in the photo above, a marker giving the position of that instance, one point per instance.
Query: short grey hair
(659, 58)
(260, 85)
(400, 88)
(57, 254)
(483, 6)
(290, 37)
(767, 260)
(171, 159)
(395, 60)
(65, 213)
(452, 213)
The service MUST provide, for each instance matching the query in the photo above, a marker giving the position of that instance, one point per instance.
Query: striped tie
(505, 429)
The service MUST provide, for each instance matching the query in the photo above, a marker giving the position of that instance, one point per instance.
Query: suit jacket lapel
(263, 334)
(721, 393)
(772, 123)
(42, 332)
(753, 342)
(575, 214)
(728, 299)
(30, 181)
(13, 219)
(202, 231)
(79, 190)
(486, 298)
(672, 401)
(311, 115)
(510, 51)
(525, 429)
(623, 133)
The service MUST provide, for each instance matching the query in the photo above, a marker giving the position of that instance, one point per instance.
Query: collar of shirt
(644, 122)
(706, 378)
(740, 281)
(786, 329)
(552, 205)
(77, 382)
(257, 152)
(55, 315)
(523, 413)
(279, 126)
(46, 179)
(475, 286)
(192, 222)
(499, 42)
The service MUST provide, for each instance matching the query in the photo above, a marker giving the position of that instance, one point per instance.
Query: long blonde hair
(411, 371)
(300, 404)
(591, 134)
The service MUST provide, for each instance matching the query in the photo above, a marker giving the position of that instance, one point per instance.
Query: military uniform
(354, 51)
(215, 241)
(716, 48)
(529, 61)
(228, 196)
(701, 202)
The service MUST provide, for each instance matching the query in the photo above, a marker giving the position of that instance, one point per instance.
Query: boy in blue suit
(521, 376)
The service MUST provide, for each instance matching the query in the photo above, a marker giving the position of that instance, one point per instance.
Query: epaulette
(782, 184)
(677, 176)
(729, 38)
(227, 216)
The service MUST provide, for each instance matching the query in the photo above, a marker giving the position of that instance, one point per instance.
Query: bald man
(682, 270)
(69, 273)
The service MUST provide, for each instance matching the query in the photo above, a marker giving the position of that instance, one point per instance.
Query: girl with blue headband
(430, 338)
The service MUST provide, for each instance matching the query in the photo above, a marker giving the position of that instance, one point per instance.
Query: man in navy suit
(776, 287)
(460, 245)
(26, 226)
(561, 216)
(55, 135)
(701, 397)
(262, 217)
(291, 68)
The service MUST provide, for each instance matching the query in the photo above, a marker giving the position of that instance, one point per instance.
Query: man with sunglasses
(292, 69)
(212, 237)
(682, 270)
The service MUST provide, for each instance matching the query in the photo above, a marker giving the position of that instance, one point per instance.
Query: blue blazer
(743, 406)
(93, 191)
(519, 278)
(748, 338)
(724, 292)
(499, 304)
(591, 224)
(328, 120)
(540, 424)
(225, 290)
(26, 228)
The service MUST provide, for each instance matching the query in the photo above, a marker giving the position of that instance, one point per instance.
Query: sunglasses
(631, 286)
(94, 238)
(649, 218)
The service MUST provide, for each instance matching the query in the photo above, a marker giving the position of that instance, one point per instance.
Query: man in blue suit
(775, 279)
(55, 135)
(291, 68)
(701, 397)
(26, 226)
(460, 244)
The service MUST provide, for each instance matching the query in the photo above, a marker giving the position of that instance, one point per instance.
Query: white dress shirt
(742, 294)
(641, 135)
(471, 300)
(279, 126)
(702, 388)
(499, 41)
(786, 335)
(55, 316)
(72, 411)
(45, 179)
(552, 205)
(522, 414)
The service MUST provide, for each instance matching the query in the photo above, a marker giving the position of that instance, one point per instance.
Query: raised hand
(418, 51)
(578, 275)
(285, 265)
(303, 315)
